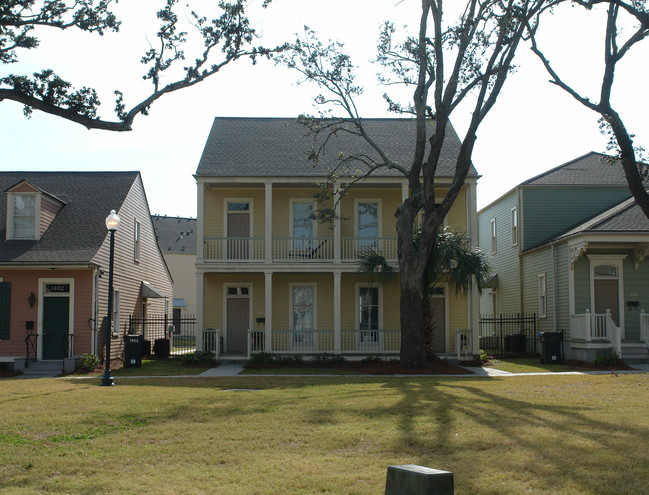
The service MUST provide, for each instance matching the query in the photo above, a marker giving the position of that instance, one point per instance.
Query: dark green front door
(56, 324)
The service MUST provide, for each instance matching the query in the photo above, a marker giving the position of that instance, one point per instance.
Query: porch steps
(635, 353)
(43, 369)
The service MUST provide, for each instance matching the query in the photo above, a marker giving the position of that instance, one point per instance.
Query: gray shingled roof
(278, 147)
(590, 169)
(624, 218)
(175, 234)
(78, 230)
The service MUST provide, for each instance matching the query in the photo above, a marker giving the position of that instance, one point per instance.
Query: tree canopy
(168, 67)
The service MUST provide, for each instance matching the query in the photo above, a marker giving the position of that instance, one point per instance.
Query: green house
(570, 245)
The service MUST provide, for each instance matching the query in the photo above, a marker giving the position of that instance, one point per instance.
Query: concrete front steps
(43, 369)
(635, 353)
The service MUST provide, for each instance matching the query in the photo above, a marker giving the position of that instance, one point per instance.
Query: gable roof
(592, 169)
(624, 218)
(78, 230)
(175, 234)
(279, 147)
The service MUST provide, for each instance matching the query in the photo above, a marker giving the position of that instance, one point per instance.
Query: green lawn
(532, 365)
(336, 435)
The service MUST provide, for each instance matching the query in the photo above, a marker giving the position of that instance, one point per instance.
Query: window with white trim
(302, 228)
(514, 226)
(368, 314)
(303, 313)
(493, 236)
(368, 228)
(137, 233)
(543, 299)
(23, 215)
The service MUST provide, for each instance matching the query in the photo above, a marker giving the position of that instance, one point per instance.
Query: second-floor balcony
(296, 249)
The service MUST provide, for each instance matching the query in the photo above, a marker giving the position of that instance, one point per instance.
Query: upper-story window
(514, 226)
(22, 219)
(137, 233)
(368, 226)
(302, 224)
(493, 236)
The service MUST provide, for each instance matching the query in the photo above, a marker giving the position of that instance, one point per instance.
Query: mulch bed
(434, 367)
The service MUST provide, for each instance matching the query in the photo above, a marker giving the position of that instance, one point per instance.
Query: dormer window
(22, 220)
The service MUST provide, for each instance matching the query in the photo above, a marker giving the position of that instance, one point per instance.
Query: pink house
(54, 252)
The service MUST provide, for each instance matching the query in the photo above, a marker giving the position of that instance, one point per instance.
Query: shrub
(262, 358)
(198, 357)
(88, 363)
(372, 360)
(289, 360)
(606, 358)
(328, 359)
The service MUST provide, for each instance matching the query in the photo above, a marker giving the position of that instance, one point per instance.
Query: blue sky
(533, 127)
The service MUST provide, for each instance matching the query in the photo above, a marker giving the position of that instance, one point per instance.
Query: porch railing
(322, 341)
(31, 348)
(212, 341)
(596, 326)
(370, 341)
(295, 249)
(234, 249)
(354, 247)
(464, 344)
(644, 327)
(303, 249)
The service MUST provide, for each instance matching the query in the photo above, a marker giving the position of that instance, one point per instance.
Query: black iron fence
(513, 333)
(164, 334)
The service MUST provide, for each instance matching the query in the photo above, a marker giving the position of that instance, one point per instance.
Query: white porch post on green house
(268, 311)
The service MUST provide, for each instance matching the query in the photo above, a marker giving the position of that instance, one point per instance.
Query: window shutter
(5, 303)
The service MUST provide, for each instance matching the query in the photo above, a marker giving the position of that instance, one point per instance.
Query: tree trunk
(413, 352)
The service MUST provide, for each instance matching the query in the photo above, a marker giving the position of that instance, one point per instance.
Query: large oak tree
(446, 64)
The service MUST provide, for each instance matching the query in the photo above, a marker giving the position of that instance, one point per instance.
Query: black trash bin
(133, 351)
(162, 348)
(551, 347)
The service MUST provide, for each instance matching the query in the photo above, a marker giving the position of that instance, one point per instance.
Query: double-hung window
(368, 318)
(23, 216)
(302, 212)
(367, 214)
(514, 226)
(543, 300)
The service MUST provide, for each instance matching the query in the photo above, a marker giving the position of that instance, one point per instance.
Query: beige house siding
(129, 273)
(183, 271)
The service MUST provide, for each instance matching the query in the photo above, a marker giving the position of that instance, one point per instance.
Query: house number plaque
(57, 288)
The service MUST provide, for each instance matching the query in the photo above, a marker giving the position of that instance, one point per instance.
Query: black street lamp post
(112, 223)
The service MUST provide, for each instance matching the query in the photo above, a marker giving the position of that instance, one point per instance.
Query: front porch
(592, 333)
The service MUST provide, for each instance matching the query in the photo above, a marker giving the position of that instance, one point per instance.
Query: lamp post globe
(112, 224)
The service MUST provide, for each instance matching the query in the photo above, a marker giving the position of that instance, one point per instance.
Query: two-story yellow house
(271, 278)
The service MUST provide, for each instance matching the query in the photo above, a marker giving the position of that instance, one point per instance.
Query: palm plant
(452, 261)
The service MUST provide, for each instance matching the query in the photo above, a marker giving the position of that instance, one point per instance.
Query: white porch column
(474, 294)
(268, 311)
(337, 239)
(404, 191)
(268, 234)
(200, 305)
(200, 210)
(337, 327)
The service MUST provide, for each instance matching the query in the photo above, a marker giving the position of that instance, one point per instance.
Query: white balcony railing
(312, 249)
(233, 249)
(354, 247)
(295, 249)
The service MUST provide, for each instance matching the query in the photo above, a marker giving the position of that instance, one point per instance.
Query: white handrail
(464, 343)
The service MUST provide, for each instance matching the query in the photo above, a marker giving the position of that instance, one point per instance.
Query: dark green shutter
(5, 305)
